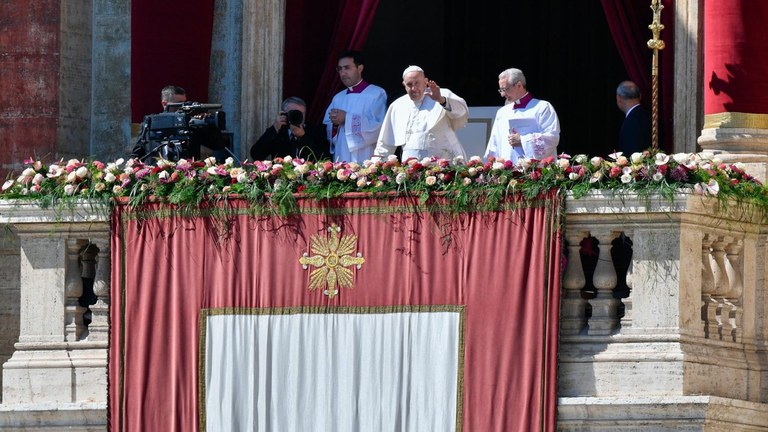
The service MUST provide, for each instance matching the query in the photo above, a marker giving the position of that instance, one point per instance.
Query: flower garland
(472, 185)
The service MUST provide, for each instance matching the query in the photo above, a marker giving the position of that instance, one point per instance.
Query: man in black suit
(635, 135)
(290, 136)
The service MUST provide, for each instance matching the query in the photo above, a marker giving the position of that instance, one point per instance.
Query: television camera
(179, 133)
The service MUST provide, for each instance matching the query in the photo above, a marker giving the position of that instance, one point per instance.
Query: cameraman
(290, 135)
(179, 142)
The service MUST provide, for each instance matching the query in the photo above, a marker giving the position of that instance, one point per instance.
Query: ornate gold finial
(332, 257)
(655, 44)
(656, 27)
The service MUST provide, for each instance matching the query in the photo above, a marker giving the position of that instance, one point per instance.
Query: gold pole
(655, 44)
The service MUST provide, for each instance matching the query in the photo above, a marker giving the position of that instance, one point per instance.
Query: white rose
(563, 163)
(573, 176)
(626, 178)
(658, 176)
(37, 179)
(661, 159)
(580, 158)
(400, 179)
(636, 157)
(54, 171)
(71, 177)
(431, 180)
(681, 158)
(498, 165)
(69, 189)
(81, 172)
(163, 175)
(596, 161)
(109, 177)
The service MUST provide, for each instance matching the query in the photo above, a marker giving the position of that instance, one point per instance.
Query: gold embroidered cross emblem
(332, 256)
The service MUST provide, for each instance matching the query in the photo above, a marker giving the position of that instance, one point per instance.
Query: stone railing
(664, 319)
(56, 377)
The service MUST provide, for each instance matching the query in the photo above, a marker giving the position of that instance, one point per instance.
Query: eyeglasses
(503, 90)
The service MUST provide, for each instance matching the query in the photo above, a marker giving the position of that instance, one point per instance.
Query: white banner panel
(345, 372)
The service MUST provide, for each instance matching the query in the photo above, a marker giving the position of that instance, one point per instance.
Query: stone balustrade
(671, 314)
(663, 316)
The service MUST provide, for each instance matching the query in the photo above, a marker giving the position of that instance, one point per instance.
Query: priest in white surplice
(353, 119)
(423, 122)
(525, 128)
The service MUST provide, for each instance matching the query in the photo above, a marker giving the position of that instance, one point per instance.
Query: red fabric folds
(733, 41)
(628, 22)
(503, 267)
(350, 32)
(170, 45)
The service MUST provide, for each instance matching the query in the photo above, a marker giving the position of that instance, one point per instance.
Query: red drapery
(734, 40)
(170, 45)
(503, 268)
(628, 22)
(350, 29)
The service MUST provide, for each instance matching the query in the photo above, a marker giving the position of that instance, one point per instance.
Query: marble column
(735, 96)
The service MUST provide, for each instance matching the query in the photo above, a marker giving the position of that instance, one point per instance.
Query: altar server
(353, 119)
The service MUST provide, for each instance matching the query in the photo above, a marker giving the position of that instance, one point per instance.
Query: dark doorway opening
(565, 50)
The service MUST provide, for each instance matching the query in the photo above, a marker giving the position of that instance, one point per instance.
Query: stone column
(688, 35)
(262, 80)
(735, 96)
(111, 79)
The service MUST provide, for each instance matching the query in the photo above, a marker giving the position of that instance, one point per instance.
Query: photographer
(289, 135)
(180, 130)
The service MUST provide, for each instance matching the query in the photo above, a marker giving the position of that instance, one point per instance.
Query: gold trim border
(736, 120)
(206, 312)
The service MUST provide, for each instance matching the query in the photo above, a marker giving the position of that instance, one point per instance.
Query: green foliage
(272, 187)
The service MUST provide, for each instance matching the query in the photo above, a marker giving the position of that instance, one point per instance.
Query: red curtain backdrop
(628, 21)
(503, 268)
(734, 63)
(170, 45)
(349, 23)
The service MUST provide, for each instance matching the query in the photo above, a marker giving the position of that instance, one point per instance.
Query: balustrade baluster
(707, 283)
(604, 306)
(99, 328)
(573, 306)
(732, 300)
(626, 320)
(74, 326)
(722, 287)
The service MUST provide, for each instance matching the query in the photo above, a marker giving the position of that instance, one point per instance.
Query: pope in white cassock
(525, 128)
(424, 121)
(353, 119)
